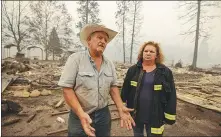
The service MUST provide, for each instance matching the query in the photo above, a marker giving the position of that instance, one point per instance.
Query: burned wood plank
(54, 88)
(214, 73)
(59, 103)
(7, 80)
(57, 131)
(195, 87)
(22, 114)
(49, 81)
(11, 122)
(21, 80)
(31, 118)
(19, 87)
(58, 113)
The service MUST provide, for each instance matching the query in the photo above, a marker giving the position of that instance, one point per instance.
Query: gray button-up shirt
(91, 87)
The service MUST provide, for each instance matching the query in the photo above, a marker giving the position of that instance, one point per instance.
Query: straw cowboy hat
(88, 29)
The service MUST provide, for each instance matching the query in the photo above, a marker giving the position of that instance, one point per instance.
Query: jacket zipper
(137, 91)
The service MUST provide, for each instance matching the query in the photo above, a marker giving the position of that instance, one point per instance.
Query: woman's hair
(160, 57)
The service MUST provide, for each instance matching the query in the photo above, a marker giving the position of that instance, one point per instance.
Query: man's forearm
(115, 95)
(72, 101)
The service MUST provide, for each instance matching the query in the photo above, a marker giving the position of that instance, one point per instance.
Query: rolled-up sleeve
(68, 76)
(114, 72)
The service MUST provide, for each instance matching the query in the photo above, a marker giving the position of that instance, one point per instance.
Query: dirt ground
(199, 89)
(191, 119)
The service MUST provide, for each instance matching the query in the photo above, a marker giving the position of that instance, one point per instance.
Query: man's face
(97, 42)
(149, 53)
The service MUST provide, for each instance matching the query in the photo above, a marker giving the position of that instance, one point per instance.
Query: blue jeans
(101, 121)
(139, 129)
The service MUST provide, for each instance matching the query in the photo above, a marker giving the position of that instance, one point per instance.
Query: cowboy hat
(88, 29)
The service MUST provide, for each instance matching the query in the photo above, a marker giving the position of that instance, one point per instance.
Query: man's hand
(126, 118)
(85, 122)
(124, 112)
(73, 102)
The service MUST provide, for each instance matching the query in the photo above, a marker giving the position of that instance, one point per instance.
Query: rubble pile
(121, 69)
(12, 67)
(38, 78)
(30, 80)
(217, 67)
(34, 85)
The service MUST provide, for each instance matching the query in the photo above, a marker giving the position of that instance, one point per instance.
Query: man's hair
(160, 56)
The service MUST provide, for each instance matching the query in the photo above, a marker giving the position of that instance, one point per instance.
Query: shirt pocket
(107, 81)
(87, 79)
(108, 78)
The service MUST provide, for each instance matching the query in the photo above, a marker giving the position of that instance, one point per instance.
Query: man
(87, 80)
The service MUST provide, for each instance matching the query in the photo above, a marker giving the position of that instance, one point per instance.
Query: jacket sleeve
(170, 110)
(126, 86)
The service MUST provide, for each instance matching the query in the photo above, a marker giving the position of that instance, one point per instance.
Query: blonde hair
(160, 56)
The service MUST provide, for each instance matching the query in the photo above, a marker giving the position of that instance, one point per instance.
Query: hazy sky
(161, 24)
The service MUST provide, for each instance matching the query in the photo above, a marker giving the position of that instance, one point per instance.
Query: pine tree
(54, 44)
(197, 17)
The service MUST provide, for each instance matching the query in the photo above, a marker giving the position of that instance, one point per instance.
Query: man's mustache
(101, 44)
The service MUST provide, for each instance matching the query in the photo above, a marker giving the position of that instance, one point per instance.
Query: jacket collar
(160, 66)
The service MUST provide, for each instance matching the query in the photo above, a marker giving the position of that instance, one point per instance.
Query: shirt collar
(91, 60)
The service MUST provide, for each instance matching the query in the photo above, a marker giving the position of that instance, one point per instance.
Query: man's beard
(99, 51)
(100, 48)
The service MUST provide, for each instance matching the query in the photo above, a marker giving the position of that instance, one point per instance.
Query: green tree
(54, 44)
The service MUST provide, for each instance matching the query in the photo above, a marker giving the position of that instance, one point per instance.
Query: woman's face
(149, 53)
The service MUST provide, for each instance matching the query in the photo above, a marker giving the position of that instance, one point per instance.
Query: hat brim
(91, 28)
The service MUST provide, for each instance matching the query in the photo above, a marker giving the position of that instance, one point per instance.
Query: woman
(149, 89)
